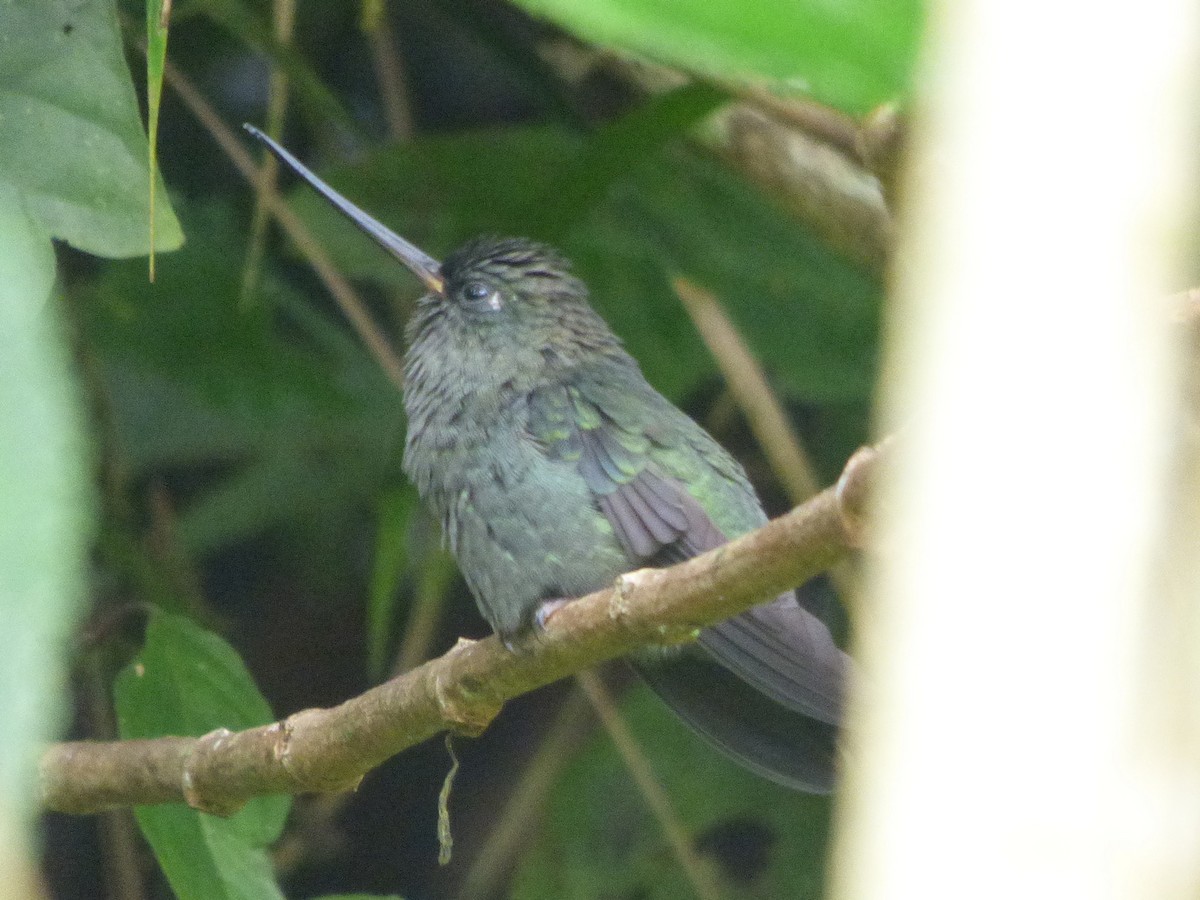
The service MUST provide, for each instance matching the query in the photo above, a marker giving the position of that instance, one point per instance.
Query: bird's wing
(617, 439)
(612, 451)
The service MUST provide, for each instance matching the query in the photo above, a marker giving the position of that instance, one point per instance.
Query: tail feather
(778, 743)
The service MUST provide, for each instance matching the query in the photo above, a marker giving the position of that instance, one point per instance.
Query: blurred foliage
(853, 55)
(248, 453)
(45, 500)
(600, 840)
(277, 397)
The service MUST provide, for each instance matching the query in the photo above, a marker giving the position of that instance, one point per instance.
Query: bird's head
(508, 296)
(494, 280)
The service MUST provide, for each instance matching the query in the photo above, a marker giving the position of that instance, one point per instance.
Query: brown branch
(331, 749)
(831, 192)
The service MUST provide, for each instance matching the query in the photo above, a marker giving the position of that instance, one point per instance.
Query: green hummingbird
(554, 467)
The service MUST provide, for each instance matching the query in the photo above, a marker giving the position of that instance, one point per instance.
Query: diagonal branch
(331, 749)
(318, 257)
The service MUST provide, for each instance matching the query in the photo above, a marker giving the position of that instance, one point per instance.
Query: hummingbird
(554, 467)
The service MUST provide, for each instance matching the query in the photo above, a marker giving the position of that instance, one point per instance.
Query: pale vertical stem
(750, 388)
(699, 872)
(1024, 728)
(390, 76)
(420, 629)
(525, 808)
(284, 23)
(348, 301)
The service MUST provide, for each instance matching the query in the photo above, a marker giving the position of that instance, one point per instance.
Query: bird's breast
(523, 527)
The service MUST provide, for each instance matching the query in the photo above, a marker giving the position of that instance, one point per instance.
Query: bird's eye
(479, 294)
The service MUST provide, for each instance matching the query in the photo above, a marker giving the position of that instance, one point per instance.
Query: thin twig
(390, 76)
(699, 874)
(284, 14)
(331, 749)
(337, 285)
(118, 833)
(750, 389)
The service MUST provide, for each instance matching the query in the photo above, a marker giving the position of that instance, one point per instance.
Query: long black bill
(424, 266)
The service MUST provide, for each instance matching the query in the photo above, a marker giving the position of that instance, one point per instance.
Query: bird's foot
(544, 613)
(516, 642)
(522, 640)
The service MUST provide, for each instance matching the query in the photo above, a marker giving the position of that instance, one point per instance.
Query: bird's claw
(522, 640)
(545, 612)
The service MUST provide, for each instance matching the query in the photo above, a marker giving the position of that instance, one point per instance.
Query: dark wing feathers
(779, 647)
(644, 517)
(746, 724)
(787, 653)
(605, 464)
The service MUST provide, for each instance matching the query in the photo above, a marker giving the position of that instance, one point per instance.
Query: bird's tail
(778, 743)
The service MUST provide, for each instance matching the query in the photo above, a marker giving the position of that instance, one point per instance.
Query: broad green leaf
(188, 681)
(206, 858)
(71, 138)
(600, 840)
(157, 24)
(360, 897)
(853, 54)
(44, 496)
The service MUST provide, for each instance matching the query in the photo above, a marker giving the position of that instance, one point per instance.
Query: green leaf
(360, 897)
(808, 314)
(853, 54)
(188, 681)
(613, 153)
(71, 138)
(157, 24)
(600, 839)
(206, 858)
(45, 525)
